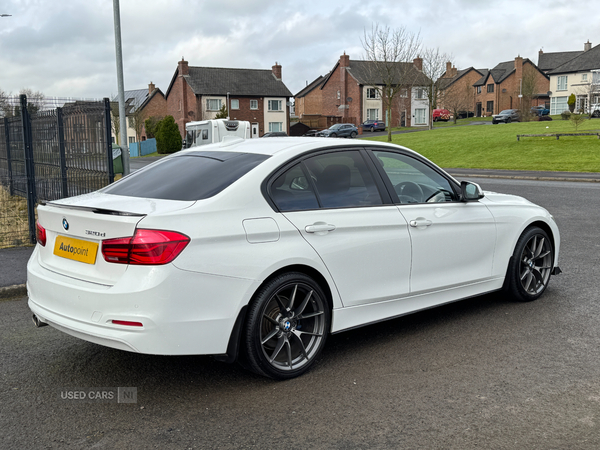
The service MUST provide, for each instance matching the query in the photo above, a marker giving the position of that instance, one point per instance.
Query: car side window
(342, 180)
(413, 180)
(292, 191)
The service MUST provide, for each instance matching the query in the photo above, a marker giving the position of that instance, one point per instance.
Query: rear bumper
(182, 313)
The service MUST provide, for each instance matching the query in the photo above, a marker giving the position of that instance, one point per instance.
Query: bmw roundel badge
(65, 224)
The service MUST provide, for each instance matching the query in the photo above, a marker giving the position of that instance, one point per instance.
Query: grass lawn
(496, 146)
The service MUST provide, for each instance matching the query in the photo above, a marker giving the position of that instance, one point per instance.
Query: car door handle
(420, 222)
(319, 227)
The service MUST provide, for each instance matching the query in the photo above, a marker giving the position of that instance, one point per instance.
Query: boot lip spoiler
(110, 212)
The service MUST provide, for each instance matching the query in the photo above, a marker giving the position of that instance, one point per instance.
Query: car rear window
(187, 177)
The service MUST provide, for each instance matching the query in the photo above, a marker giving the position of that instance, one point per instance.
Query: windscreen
(187, 177)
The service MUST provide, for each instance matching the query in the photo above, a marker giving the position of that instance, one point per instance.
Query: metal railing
(48, 154)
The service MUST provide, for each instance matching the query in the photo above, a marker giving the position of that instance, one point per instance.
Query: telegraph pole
(121, 89)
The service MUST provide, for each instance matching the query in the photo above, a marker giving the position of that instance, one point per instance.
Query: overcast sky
(66, 48)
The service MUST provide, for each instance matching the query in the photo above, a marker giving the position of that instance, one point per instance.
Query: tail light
(40, 234)
(146, 247)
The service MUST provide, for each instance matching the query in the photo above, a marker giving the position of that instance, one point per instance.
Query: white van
(210, 131)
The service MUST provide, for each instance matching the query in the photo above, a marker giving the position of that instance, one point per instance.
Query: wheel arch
(233, 347)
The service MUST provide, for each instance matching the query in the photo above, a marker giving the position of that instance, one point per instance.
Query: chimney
(519, 67)
(540, 53)
(454, 71)
(276, 70)
(448, 70)
(183, 68)
(151, 88)
(345, 60)
(587, 46)
(418, 63)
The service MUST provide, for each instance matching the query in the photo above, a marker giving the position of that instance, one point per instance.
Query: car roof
(287, 146)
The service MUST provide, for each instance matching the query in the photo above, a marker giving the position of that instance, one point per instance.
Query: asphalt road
(484, 373)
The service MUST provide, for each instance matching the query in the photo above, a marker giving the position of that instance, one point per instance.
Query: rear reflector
(146, 247)
(40, 234)
(127, 323)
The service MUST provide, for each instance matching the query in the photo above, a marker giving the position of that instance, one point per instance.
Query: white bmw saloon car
(257, 250)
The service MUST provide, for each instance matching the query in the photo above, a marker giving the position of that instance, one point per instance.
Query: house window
(558, 105)
(404, 93)
(373, 114)
(132, 139)
(561, 84)
(479, 89)
(584, 77)
(235, 103)
(275, 126)
(581, 104)
(275, 105)
(213, 104)
(490, 88)
(372, 93)
(490, 107)
(339, 95)
(253, 104)
(420, 116)
(420, 93)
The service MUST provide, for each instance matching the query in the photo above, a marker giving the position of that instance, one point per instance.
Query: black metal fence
(48, 154)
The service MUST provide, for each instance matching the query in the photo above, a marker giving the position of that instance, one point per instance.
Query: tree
(458, 97)
(223, 113)
(571, 102)
(576, 120)
(434, 66)
(168, 138)
(136, 121)
(5, 107)
(35, 100)
(390, 52)
(528, 90)
(150, 124)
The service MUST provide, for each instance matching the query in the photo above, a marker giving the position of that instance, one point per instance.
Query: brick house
(350, 92)
(150, 102)
(579, 76)
(500, 87)
(258, 96)
(456, 89)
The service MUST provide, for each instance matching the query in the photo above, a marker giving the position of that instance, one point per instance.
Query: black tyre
(372, 129)
(531, 265)
(508, 120)
(353, 134)
(333, 135)
(287, 326)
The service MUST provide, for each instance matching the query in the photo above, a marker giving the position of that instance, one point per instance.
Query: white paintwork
(364, 255)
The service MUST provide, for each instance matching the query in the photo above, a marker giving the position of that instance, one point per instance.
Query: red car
(441, 114)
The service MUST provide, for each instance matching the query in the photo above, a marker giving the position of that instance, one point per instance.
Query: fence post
(61, 151)
(108, 128)
(29, 167)
(8, 159)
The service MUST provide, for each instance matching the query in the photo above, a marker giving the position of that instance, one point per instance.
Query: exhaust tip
(37, 322)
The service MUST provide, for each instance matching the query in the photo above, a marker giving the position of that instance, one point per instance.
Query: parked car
(311, 133)
(275, 134)
(465, 114)
(595, 110)
(540, 110)
(507, 116)
(440, 115)
(373, 125)
(339, 130)
(262, 248)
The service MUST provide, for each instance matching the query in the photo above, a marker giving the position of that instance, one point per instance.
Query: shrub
(544, 118)
(168, 138)
(571, 102)
(565, 115)
(223, 113)
(150, 124)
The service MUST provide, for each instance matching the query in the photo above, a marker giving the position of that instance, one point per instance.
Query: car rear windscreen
(187, 177)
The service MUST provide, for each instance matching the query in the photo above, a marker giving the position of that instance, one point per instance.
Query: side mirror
(470, 192)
